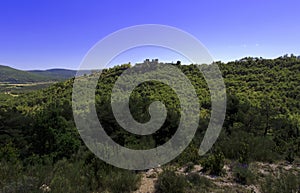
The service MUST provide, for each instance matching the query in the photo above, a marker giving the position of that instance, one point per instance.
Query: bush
(199, 182)
(263, 149)
(214, 163)
(285, 182)
(189, 167)
(69, 177)
(236, 146)
(9, 153)
(245, 148)
(103, 177)
(170, 182)
(15, 178)
(121, 182)
(290, 156)
(189, 155)
(24, 185)
(243, 174)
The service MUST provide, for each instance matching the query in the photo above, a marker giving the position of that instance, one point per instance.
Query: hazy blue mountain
(55, 73)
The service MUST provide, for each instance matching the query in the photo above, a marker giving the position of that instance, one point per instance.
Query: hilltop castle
(147, 61)
(155, 61)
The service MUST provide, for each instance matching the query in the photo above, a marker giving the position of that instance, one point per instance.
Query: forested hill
(11, 75)
(274, 81)
(265, 85)
(261, 124)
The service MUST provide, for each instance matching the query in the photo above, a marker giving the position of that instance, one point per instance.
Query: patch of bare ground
(148, 181)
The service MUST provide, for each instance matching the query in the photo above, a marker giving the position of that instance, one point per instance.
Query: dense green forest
(40, 144)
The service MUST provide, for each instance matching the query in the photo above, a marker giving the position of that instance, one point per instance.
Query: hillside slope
(11, 75)
(15, 76)
(261, 133)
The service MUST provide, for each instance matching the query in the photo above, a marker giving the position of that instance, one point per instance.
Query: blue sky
(45, 34)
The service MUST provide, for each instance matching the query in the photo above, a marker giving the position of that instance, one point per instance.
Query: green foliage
(290, 156)
(284, 182)
(11, 75)
(198, 182)
(87, 174)
(263, 149)
(171, 182)
(9, 175)
(9, 153)
(243, 174)
(104, 177)
(189, 155)
(38, 135)
(121, 182)
(69, 177)
(245, 147)
(214, 163)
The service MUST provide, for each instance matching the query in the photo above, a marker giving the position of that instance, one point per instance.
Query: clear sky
(43, 34)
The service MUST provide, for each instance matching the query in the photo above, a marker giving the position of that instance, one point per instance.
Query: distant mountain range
(11, 75)
(55, 73)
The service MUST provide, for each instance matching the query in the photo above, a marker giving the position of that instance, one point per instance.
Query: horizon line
(129, 62)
